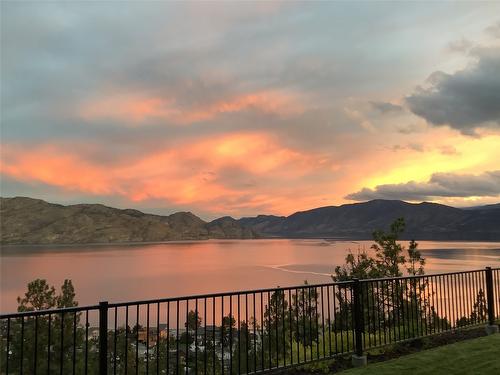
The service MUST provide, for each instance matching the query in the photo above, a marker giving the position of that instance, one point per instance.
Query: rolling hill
(34, 221)
(428, 221)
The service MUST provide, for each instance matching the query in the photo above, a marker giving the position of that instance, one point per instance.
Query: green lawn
(477, 356)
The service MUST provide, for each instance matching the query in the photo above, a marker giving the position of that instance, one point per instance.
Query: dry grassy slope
(34, 221)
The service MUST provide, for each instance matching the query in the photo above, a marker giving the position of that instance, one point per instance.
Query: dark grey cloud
(386, 107)
(449, 185)
(466, 100)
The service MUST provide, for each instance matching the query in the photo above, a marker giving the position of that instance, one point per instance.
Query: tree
(390, 259)
(277, 324)
(245, 350)
(228, 329)
(30, 335)
(193, 321)
(478, 314)
(305, 315)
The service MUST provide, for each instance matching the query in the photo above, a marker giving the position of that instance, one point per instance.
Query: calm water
(134, 272)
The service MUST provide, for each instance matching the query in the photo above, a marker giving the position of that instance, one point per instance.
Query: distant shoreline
(222, 240)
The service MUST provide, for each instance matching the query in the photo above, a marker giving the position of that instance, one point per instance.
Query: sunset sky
(251, 107)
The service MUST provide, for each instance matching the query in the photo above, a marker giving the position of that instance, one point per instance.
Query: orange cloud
(196, 174)
(135, 109)
(243, 173)
(51, 165)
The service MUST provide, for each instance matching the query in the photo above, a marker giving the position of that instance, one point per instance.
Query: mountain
(494, 206)
(429, 221)
(34, 221)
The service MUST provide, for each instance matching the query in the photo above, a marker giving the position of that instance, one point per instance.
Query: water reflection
(139, 271)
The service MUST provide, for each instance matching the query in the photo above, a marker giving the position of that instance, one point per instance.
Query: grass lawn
(477, 356)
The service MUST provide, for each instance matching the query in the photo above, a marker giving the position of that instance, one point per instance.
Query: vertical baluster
(366, 318)
(230, 334)
(168, 337)
(262, 330)
(247, 337)
(239, 336)
(8, 348)
(177, 366)
(309, 310)
(381, 295)
(254, 335)
(432, 305)
(35, 354)
(290, 319)
(21, 359)
(74, 344)
(283, 319)
(126, 340)
(147, 338)
(213, 334)
(137, 340)
(205, 336)
(86, 341)
(329, 320)
(196, 337)
(317, 320)
(222, 335)
(158, 338)
(49, 344)
(114, 340)
(341, 314)
(187, 337)
(276, 294)
(389, 315)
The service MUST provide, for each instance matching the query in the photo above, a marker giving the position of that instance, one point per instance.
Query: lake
(143, 271)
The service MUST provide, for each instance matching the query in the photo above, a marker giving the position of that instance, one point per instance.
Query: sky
(245, 108)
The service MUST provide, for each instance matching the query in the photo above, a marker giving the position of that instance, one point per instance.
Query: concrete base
(358, 361)
(490, 330)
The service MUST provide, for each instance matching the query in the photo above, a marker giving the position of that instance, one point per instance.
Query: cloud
(148, 113)
(386, 107)
(462, 45)
(466, 100)
(410, 146)
(448, 150)
(141, 109)
(222, 173)
(494, 30)
(410, 129)
(449, 185)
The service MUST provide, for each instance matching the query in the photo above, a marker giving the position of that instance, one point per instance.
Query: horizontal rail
(30, 313)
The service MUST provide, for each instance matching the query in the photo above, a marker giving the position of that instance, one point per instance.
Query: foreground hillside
(424, 221)
(34, 221)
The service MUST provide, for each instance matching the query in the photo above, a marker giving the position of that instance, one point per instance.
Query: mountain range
(34, 221)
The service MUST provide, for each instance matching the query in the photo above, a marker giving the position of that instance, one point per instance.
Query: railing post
(491, 327)
(103, 338)
(358, 359)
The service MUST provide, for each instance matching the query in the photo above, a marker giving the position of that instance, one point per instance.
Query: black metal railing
(248, 331)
